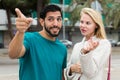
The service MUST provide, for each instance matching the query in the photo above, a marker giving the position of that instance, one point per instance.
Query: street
(9, 68)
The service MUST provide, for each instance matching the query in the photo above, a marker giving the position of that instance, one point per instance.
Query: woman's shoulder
(105, 42)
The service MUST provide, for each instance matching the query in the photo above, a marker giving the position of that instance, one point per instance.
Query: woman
(89, 56)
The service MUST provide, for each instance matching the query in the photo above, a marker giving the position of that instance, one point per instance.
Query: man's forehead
(54, 14)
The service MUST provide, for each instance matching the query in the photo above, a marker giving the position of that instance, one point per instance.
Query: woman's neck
(88, 37)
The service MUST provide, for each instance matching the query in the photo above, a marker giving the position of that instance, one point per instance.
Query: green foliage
(31, 3)
(9, 3)
(75, 13)
(114, 15)
(24, 5)
(111, 11)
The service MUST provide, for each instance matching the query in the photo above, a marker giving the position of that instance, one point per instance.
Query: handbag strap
(109, 67)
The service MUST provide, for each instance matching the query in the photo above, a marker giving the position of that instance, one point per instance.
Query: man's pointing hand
(22, 22)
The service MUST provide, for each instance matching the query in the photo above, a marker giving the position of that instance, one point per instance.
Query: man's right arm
(16, 47)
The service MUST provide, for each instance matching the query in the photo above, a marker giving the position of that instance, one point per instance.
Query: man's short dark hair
(49, 8)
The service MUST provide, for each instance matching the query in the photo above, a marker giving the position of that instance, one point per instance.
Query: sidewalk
(4, 58)
(3, 51)
(9, 68)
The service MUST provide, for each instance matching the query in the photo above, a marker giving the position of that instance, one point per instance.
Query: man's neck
(47, 36)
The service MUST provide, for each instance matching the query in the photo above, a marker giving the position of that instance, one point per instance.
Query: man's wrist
(20, 32)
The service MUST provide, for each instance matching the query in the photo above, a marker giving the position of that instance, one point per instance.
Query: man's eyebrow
(59, 16)
(54, 17)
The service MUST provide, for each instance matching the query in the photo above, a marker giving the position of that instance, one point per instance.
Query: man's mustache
(55, 27)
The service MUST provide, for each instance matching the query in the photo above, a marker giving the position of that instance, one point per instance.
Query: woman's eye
(81, 21)
(88, 23)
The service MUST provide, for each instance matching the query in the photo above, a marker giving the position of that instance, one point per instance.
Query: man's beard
(50, 33)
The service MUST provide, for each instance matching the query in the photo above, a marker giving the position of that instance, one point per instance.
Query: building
(4, 33)
(71, 33)
(3, 27)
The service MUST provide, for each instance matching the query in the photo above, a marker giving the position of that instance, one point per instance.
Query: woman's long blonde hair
(97, 18)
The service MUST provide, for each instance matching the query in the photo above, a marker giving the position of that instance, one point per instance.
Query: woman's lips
(83, 30)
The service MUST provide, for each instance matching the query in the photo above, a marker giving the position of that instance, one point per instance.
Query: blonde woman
(90, 55)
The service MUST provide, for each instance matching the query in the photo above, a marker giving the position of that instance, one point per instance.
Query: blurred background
(70, 34)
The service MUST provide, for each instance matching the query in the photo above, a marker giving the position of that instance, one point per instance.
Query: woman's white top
(92, 63)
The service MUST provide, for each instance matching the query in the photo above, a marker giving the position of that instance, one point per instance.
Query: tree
(6, 4)
(26, 6)
(75, 8)
(111, 11)
(10, 5)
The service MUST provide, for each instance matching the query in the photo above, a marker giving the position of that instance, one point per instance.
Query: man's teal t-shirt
(43, 59)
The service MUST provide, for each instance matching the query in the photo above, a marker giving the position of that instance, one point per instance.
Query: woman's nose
(83, 25)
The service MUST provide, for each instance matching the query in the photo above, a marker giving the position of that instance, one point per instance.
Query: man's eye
(59, 19)
(50, 19)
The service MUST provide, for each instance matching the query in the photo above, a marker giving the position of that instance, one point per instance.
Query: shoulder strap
(109, 67)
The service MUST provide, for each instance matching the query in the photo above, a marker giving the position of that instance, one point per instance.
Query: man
(42, 56)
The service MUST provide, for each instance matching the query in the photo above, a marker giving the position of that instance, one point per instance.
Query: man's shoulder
(30, 34)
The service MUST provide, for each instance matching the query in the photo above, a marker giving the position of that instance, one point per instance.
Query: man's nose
(55, 23)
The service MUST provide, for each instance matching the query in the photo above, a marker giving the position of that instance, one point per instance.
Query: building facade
(71, 33)
(3, 28)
